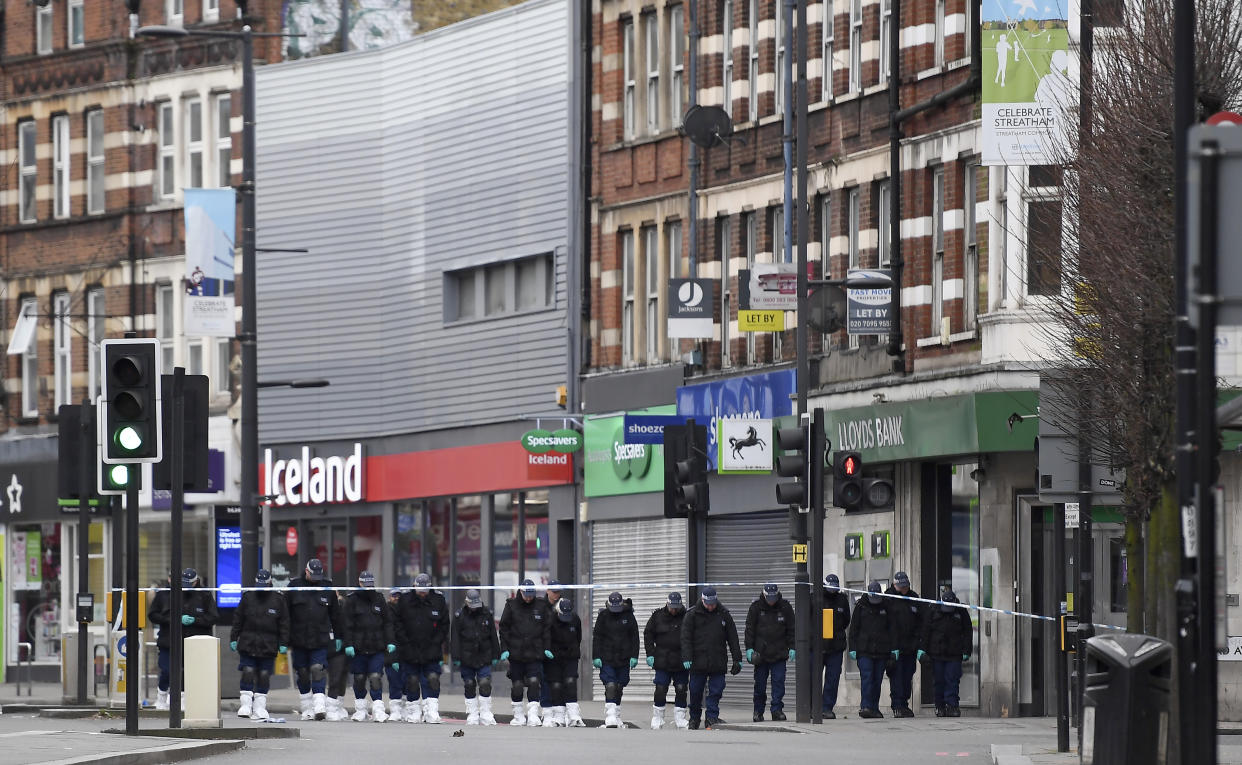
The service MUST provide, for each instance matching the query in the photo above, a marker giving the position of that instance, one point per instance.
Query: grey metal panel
(392, 167)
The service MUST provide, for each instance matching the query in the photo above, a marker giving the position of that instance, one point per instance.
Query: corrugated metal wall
(392, 167)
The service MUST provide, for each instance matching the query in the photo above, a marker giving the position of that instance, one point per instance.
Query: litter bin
(1125, 709)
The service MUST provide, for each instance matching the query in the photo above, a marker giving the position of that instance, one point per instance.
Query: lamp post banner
(210, 230)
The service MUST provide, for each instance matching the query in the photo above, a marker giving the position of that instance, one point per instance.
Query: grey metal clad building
(430, 183)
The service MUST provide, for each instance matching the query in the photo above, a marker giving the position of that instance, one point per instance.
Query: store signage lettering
(871, 433)
(314, 480)
(563, 441)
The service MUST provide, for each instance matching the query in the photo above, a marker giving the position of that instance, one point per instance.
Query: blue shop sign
(649, 428)
(761, 396)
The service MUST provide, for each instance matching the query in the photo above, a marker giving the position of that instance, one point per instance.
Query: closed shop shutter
(624, 552)
(754, 548)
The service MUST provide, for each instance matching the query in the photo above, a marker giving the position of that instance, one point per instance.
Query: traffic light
(847, 484)
(131, 401)
(796, 443)
(111, 480)
(685, 470)
(69, 444)
(193, 435)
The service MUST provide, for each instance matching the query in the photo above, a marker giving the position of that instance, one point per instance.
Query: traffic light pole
(86, 481)
(175, 445)
(249, 330)
(133, 643)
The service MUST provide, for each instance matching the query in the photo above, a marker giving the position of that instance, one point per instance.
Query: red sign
(1225, 118)
(291, 541)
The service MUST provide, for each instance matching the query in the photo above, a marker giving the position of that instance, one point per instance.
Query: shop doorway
(329, 542)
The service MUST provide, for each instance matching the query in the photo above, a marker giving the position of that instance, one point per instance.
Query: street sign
(1226, 283)
(799, 553)
(691, 305)
(881, 544)
(1072, 515)
(760, 321)
(853, 546)
(774, 286)
(869, 311)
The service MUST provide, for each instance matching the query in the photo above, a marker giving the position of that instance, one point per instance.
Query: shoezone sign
(744, 446)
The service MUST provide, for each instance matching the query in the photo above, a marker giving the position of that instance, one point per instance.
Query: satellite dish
(827, 304)
(707, 126)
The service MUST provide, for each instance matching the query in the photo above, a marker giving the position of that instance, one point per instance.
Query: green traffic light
(128, 438)
(119, 475)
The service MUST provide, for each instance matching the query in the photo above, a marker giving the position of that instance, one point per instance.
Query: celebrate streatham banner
(210, 228)
(1030, 85)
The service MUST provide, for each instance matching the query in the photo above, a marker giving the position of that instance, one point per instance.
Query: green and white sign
(564, 441)
(614, 467)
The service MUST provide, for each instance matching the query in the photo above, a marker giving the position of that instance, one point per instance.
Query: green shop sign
(564, 441)
(614, 467)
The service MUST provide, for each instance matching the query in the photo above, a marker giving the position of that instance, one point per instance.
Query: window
(168, 151)
(652, 37)
(723, 232)
(856, 23)
(778, 235)
(60, 166)
(753, 74)
(495, 290)
(829, 32)
(26, 139)
(211, 10)
(937, 275)
(498, 289)
(651, 265)
(174, 10)
(884, 254)
(224, 141)
(165, 324)
(627, 65)
(627, 293)
(194, 142)
(751, 230)
(1043, 231)
(825, 248)
(30, 357)
(96, 170)
(676, 62)
(222, 378)
(726, 54)
(970, 248)
(194, 366)
(77, 24)
(672, 237)
(969, 13)
(778, 60)
(62, 339)
(886, 29)
(852, 217)
(43, 29)
(96, 331)
(940, 32)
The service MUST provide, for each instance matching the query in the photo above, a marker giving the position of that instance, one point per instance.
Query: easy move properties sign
(616, 467)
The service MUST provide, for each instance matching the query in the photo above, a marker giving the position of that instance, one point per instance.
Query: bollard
(202, 682)
(1125, 709)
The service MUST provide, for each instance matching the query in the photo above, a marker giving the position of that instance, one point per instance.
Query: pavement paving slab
(61, 747)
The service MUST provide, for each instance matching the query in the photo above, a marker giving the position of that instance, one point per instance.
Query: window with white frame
(940, 32)
(1044, 208)
(937, 275)
(852, 221)
(676, 60)
(651, 37)
(96, 169)
(174, 12)
(969, 11)
(168, 151)
(725, 244)
(62, 347)
(826, 40)
(750, 226)
(211, 10)
(651, 267)
(778, 59)
(627, 293)
(29, 316)
(886, 29)
(627, 70)
(752, 17)
(27, 140)
(884, 237)
(224, 140)
(726, 54)
(778, 234)
(43, 29)
(194, 361)
(96, 331)
(825, 247)
(672, 240)
(77, 23)
(222, 374)
(165, 324)
(856, 23)
(60, 166)
(194, 142)
(970, 247)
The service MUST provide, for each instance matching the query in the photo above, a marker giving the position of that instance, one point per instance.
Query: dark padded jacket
(872, 629)
(526, 629)
(706, 639)
(839, 604)
(948, 636)
(614, 641)
(472, 637)
(662, 638)
(907, 620)
(422, 627)
(770, 630)
(367, 622)
(261, 623)
(200, 605)
(314, 615)
(567, 638)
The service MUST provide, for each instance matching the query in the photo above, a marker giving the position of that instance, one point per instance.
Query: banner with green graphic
(614, 467)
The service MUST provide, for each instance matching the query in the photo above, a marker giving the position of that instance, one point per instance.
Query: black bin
(1125, 709)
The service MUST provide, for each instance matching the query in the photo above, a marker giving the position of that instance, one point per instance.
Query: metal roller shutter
(624, 552)
(754, 547)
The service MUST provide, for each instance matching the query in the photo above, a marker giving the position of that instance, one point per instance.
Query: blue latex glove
(597, 663)
(396, 666)
(792, 653)
(650, 661)
(391, 648)
(919, 656)
(338, 646)
(854, 655)
(187, 620)
(457, 663)
(965, 657)
(504, 655)
(548, 654)
(750, 656)
(896, 654)
(686, 664)
(633, 662)
(284, 649)
(349, 651)
(233, 646)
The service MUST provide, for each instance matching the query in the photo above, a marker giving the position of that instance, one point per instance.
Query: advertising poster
(1029, 85)
(34, 560)
(745, 446)
(210, 223)
(17, 554)
(228, 566)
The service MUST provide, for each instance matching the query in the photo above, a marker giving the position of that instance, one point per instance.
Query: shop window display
(34, 581)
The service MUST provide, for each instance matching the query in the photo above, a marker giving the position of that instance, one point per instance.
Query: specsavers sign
(615, 467)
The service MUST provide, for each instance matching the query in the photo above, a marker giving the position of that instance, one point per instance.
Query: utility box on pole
(1059, 425)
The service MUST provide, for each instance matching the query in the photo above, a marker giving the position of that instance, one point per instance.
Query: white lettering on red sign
(314, 480)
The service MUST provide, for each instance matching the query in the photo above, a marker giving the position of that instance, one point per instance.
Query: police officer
(198, 616)
(707, 635)
(948, 637)
(561, 673)
(394, 669)
(614, 652)
(423, 625)
(770, 646)
(475, 650)
(260, 631)
(872, 641)
(662, 641)
(338, 676)
(838, 603)
(908, 631)
(368, 635)
(314, 620)
(525, 641)
(553, 594)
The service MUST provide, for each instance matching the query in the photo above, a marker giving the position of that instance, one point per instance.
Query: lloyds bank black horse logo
(736, 445)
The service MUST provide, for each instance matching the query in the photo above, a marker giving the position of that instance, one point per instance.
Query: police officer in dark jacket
(614, 652)
(422, 628)
(907, 632)
(708, 634)
(948, 637)
(770, 647)
(198, 616)
(525, 641)
(872, 641)
(833, 647)
(260, 631)
(662, 642)
(368, 635)
(394, 667)
(475, 648)
(314, 620)
(561, 673)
